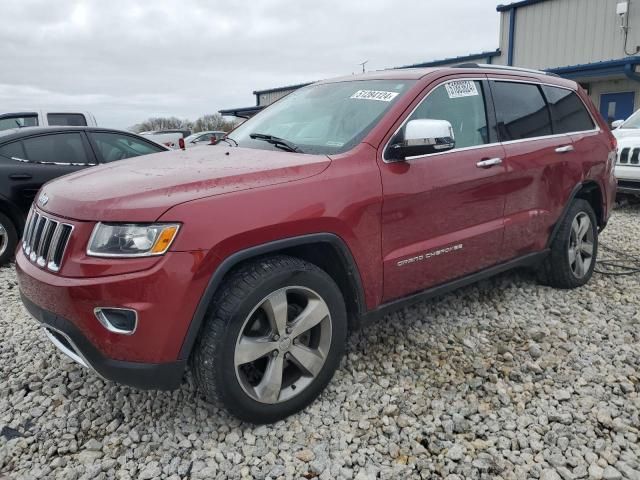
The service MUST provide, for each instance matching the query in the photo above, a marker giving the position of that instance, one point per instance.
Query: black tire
(8, 239)
(558, 270)
(234, 305)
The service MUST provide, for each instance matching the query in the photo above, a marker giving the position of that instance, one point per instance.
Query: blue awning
(623, 66)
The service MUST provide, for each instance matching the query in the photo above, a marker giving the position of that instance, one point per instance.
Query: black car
(30, 157)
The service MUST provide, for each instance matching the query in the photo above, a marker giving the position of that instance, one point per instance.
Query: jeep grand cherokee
(248, 260)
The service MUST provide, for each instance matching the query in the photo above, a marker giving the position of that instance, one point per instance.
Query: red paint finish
(165, 297)
(408, 225)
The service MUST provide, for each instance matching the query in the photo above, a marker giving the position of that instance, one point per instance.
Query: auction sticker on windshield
(464, 88)
(378, 95)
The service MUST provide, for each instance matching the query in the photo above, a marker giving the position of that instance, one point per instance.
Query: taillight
(181, 143)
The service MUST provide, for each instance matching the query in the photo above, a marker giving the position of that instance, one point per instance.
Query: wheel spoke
(275, 306)
(310, 361)
(572, 255)
(575, 227)
(250, 349)
(583, 228)
(579, 269)
(587, 248)
(312, 315)
(268, 390)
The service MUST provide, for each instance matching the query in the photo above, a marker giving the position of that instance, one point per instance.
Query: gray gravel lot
(506, 379)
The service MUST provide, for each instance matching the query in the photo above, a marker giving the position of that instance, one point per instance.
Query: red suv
(351, 197)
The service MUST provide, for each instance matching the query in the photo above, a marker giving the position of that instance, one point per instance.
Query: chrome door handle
(565, 149)
(489, 162)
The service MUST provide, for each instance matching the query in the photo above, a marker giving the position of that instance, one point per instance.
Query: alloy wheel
(283, 344)
(581, 245)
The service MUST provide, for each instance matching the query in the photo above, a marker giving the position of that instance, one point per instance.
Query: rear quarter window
(568, 113)
(13, 151)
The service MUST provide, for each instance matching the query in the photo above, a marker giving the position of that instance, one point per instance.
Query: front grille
(629, 156)
(45, 240)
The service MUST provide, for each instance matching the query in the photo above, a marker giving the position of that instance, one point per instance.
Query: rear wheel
(273, 338)
(574, 249)
(8, 239)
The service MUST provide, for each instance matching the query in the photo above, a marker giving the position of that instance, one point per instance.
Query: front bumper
(628, 179)
(70, 340)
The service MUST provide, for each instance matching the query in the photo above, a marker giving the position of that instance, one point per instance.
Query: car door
(542, 166)
(112, 146)
(32, 161)
(442, 213)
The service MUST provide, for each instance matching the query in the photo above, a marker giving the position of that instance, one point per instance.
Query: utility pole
(363, 64)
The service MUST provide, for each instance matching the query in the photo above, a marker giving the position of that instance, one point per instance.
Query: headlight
(131, 240)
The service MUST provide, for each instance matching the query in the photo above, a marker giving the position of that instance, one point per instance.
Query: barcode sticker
(463, 88)
(378, 95)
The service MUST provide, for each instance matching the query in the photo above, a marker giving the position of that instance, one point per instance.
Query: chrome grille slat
(45, 240)
(629, 157)
(36, 238)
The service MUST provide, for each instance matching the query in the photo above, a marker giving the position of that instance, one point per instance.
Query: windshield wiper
(277, 142)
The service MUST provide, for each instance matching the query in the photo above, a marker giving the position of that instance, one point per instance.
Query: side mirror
(617, 124)
(422, 137)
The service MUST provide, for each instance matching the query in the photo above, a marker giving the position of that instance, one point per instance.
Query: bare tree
(205, 123)
(212, 122)
(162, 123)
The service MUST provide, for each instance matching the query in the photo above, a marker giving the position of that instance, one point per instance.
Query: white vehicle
(43, 118)
(627, 132)
(203, 138)
(168, 137)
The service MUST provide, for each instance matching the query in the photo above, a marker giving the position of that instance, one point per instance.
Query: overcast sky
(126, 61)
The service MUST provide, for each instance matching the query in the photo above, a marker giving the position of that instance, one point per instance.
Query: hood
(626, 133)
(629, 138)
(141, 189)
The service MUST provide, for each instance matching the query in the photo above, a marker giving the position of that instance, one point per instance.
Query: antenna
(363, 64)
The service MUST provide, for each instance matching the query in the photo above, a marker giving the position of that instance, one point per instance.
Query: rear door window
(114, 146)
(568, 113)
(521, 111)
(18, 121)
(67, 119)
(62, 148)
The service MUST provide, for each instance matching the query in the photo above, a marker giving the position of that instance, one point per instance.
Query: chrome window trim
(486, 145)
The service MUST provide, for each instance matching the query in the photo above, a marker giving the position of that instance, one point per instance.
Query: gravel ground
(506, 379)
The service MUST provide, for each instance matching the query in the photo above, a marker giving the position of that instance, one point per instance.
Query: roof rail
(504, 67)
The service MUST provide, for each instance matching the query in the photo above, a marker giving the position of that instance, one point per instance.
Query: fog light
(117, 320)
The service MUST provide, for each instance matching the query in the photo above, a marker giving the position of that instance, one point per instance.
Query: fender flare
(565, 209)
(255, 251)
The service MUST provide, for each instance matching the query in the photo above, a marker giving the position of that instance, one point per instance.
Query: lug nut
(289, 330)
(276, 337)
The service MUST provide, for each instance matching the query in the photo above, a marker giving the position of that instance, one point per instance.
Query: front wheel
(274, 336)
(574, 249)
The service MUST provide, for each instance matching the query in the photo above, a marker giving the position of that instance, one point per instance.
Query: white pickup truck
(43, 118)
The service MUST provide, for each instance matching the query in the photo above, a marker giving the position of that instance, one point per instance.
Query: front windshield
(633, 121)
(326, 118)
